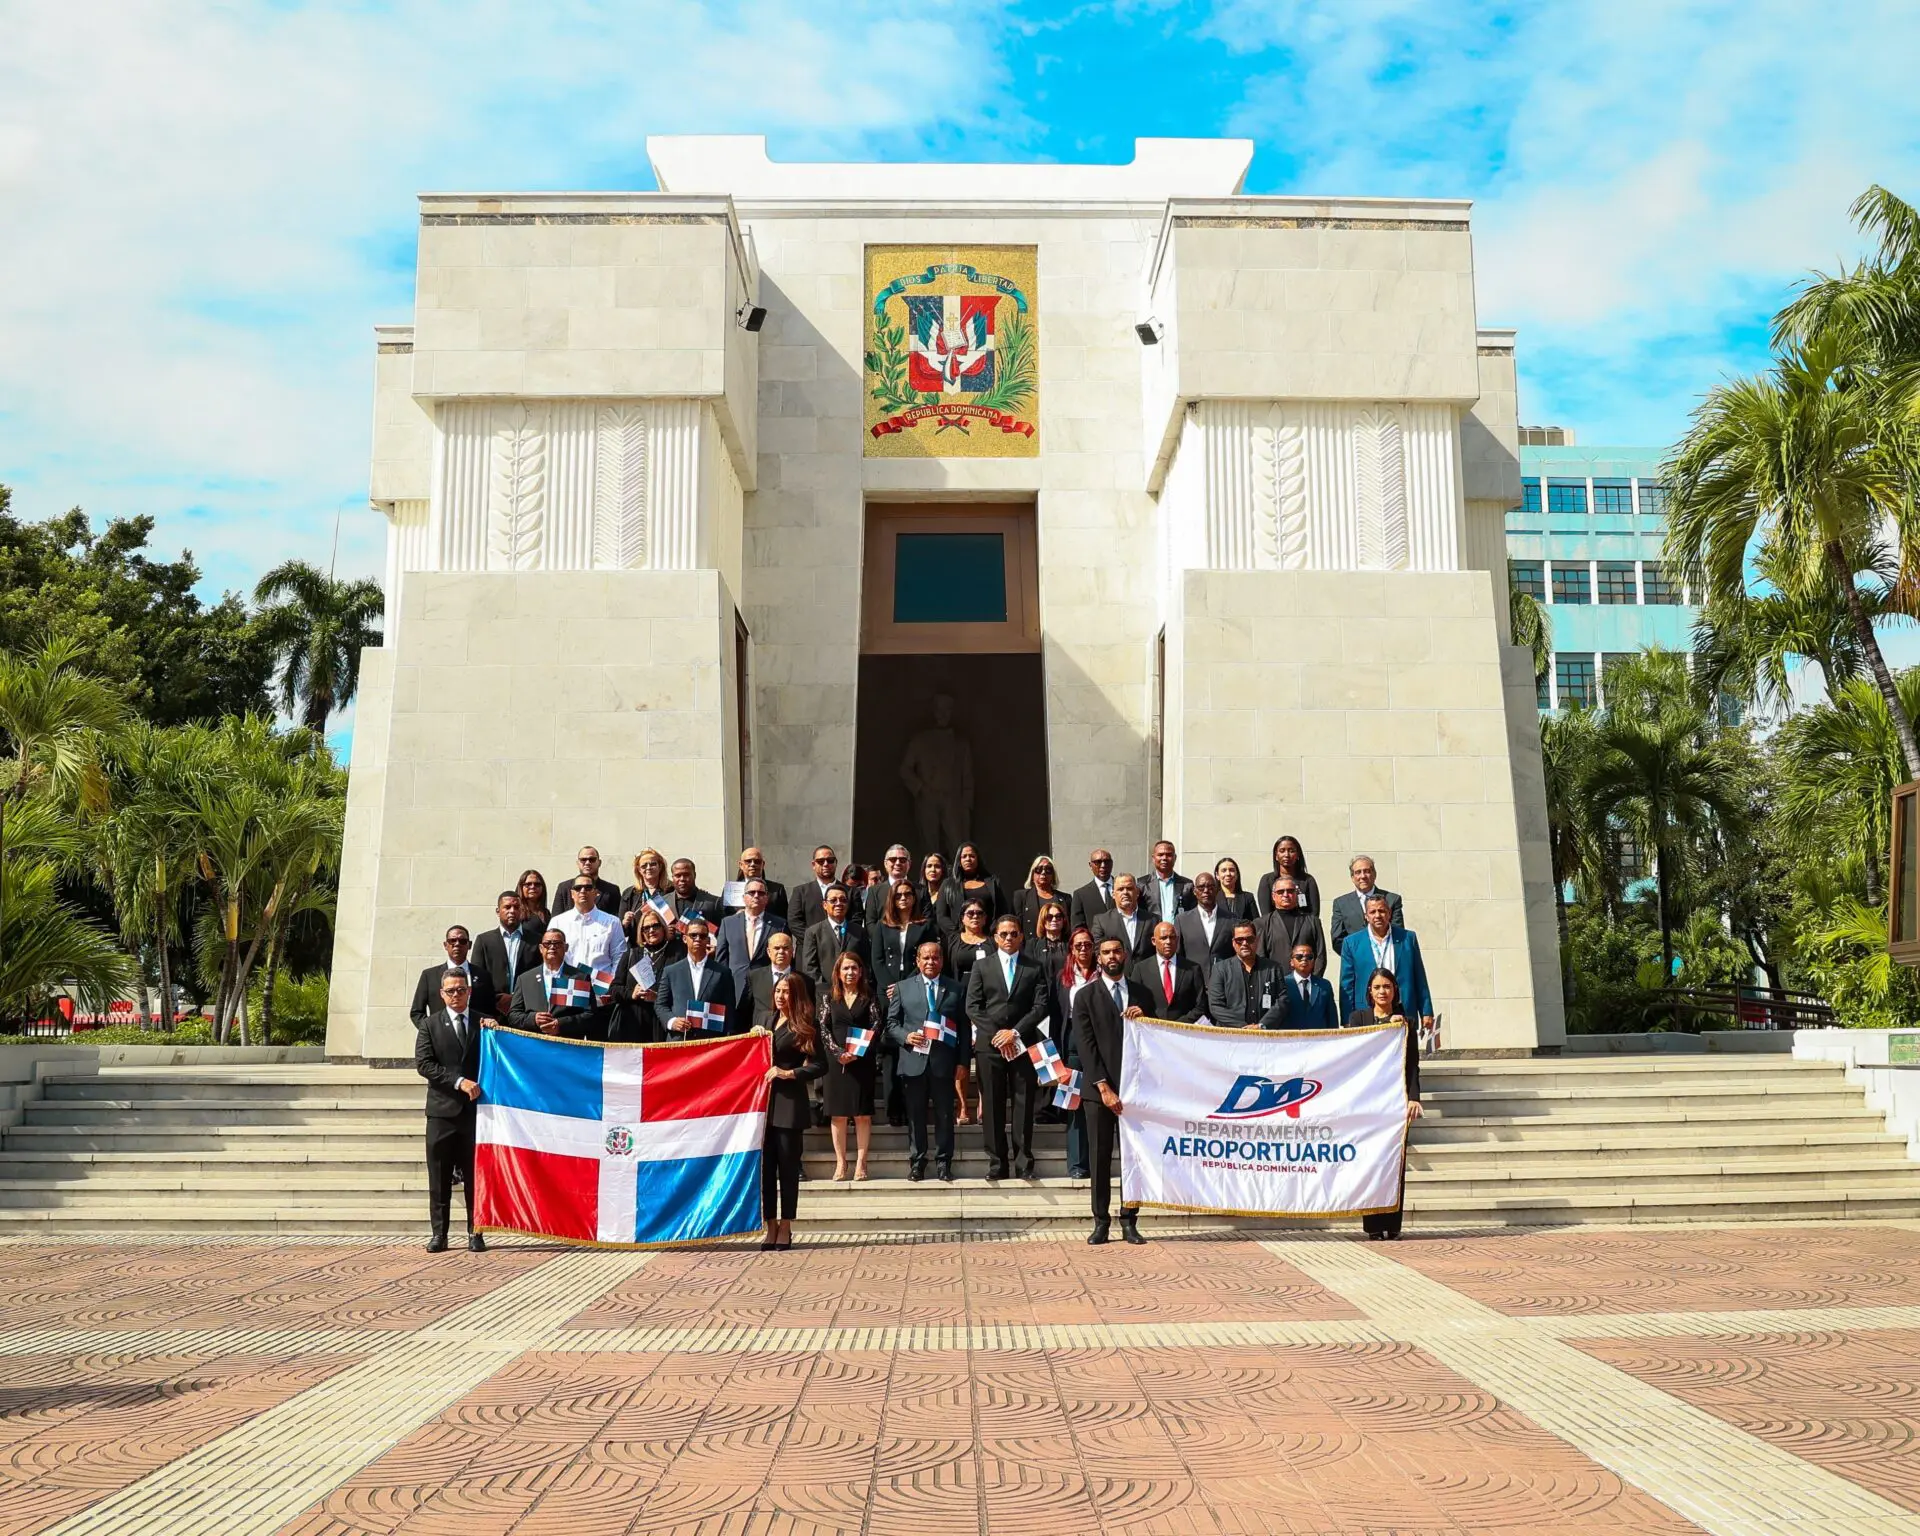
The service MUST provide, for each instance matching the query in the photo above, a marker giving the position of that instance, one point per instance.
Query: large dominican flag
(622, 1144)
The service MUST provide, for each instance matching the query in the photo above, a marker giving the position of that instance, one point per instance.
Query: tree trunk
(166, 980)
(1870, 647)
(1660, 903)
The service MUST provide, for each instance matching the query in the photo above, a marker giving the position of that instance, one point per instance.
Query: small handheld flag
(602, 985)
(574, 991)
(1047, 1065)
(708, 1017)
(859, 1040)
(1067, 1095)
(938, 1030)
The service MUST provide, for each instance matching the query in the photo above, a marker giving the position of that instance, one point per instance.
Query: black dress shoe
(1079, 1173)
(916, 1172)
(999, 1173)
(1028, 1169)
(1130, 1230)
(945, 1173)
(437, 1243)
(1099, 1234)
(476, 1243)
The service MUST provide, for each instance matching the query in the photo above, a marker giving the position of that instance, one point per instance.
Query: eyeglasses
(583, 889)
(1303, 954)
(1100, 863)
(828, 862)
(1239, 939)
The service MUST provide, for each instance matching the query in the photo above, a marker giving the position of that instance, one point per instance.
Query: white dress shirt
(595, 939)
(696, 969)
(1208, 917)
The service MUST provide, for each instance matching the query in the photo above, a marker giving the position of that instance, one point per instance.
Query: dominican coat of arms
(952, 353)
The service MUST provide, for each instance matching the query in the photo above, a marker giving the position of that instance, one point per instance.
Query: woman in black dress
(535, 910)
(1236, 901)
(633, 1004)
(1043, 886)
(796, 1062)
(969, 944)
(1290, 859)
(970, 881)
(1383, 997)
(849, 1090)
(933, 879)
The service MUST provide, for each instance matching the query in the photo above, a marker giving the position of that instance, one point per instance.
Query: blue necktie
(933, 1005)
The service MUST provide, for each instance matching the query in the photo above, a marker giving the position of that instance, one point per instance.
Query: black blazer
(1100, 1035)
(426, 992)
(1362, 1018)
(490, 955)
(1086, 905)
(439, 1057)
(699, 904)
(1113, 925)
(1027, 903)
(1189, 989)
(1194, 943)
(1350, 915)
(992, 1008)
(820, 947)
(759, 998)
(1240, 906)
(1237, 999)
(1309, 888)
(893, 951)
(787, 1106)
(607, 901)
(806, 905)
(676, 992)
(1279, 931)
(1150, 894)
(530, 997)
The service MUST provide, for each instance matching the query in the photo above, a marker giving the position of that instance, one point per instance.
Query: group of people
(919, 988)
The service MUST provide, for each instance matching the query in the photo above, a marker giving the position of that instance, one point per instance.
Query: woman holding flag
(1383, 994)
(797, 1061)
(851, 1023)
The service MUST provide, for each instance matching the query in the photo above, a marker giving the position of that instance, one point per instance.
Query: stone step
(341, 1114)
(1737, 1139)
(408, 1089)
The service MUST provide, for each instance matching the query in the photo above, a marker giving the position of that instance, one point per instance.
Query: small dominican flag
(602, 985)
(938, 1030)
(711, 1018)
(859, 1039)
(630, 1145)
(571, 991)
(1047, 1065)
(1067, 1095)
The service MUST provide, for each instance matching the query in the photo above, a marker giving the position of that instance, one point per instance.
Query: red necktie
(1166, 978)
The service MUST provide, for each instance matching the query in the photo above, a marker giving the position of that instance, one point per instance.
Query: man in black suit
(1095, 898)
(1287, 925)
(753, 866)
(896, 866)
(1165, 892)
(587, 862)
(1349, 913)
(446, 1052)
(760, 983)
(700, 978)
(807, 901)
(821, 944)
(1169, 985)
(504, 954)
(689, 901)
(1126, 922)
(533, 994)
(1099, 1029)
(742, 943)
(927, 1064)
(426, 992)
(1246, 990)
(1006, 1000)
(1206, 931)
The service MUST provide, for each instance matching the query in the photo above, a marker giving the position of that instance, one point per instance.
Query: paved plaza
(1732, 1379)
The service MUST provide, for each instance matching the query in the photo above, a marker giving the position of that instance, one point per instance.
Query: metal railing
(1698, 1008)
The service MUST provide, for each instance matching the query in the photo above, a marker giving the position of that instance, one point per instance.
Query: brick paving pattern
(1742, 1381)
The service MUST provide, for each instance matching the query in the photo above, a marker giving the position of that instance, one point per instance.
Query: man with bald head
(1169, 985)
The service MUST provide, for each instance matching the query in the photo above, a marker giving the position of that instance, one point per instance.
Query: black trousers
(1005, 1084)
(780, 1173)
(449, 1146)
(1105, 1126)
(1389, 1221)
(931, 1091)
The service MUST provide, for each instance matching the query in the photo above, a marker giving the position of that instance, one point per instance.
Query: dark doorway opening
(998, 718)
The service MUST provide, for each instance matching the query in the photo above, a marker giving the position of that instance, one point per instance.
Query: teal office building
(1585, 540)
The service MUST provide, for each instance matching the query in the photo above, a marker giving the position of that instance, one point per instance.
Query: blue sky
(203, 208)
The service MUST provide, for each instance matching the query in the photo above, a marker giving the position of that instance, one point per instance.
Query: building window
(1612, 496)
(1567, 496)
(1543, 689)
(1657, 586)
(1631, 858)
(1530, 496)
(1653, 499)
(1571, 583)
(950, 578)
(1573, 678)
(1609, 661)
(1530, 577)
(1617, 583)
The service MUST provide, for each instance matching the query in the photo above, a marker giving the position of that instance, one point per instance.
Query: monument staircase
(338, 1150)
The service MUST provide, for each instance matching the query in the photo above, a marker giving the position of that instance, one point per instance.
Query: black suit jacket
(1086, 905)
(1280, 931)
(806, 905)
(759, 1000)
(439, 1057)
(426, 992)
(607, 901)
(699, 904)
(819, 948)
(530, 997)
(894, 951)
(1112, 925)
(490, 955)
(1150, 895)
(1350, 915)
(992, 1008)
(1189, 989)
(1236, 1000)
(730, 945)
(1194, 943)
(676, 992)
(1100, 1035)
(1309, 887)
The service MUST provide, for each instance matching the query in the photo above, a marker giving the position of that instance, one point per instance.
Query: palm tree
(1875, 305)
(316, 626)
(1810, 468)
(1839, 763)
(1575, 844)
(48, 946)
(1531, 628)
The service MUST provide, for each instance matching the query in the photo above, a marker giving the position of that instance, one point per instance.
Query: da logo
(620, 1141)
(1251, 1098)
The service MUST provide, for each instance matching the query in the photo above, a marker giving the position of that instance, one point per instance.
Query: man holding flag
(554, 997)
(701, 986)
(924, 1022)
(1100, 1013)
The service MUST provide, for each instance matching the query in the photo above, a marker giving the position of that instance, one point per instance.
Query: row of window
(1576, 677)
(1576, 581)
(1570, 498)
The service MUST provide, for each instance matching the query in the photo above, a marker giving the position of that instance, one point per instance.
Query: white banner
(1263, 1122)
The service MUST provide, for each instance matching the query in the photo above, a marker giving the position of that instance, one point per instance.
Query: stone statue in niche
(937, 769)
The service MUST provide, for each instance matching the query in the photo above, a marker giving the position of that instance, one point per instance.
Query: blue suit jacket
(1318, 1011)
(1356, 965)
(908, 1011)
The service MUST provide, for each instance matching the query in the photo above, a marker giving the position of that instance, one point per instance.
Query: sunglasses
(1247, 940)
(579, 888)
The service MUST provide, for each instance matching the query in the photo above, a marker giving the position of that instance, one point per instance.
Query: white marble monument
(1248, 459)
